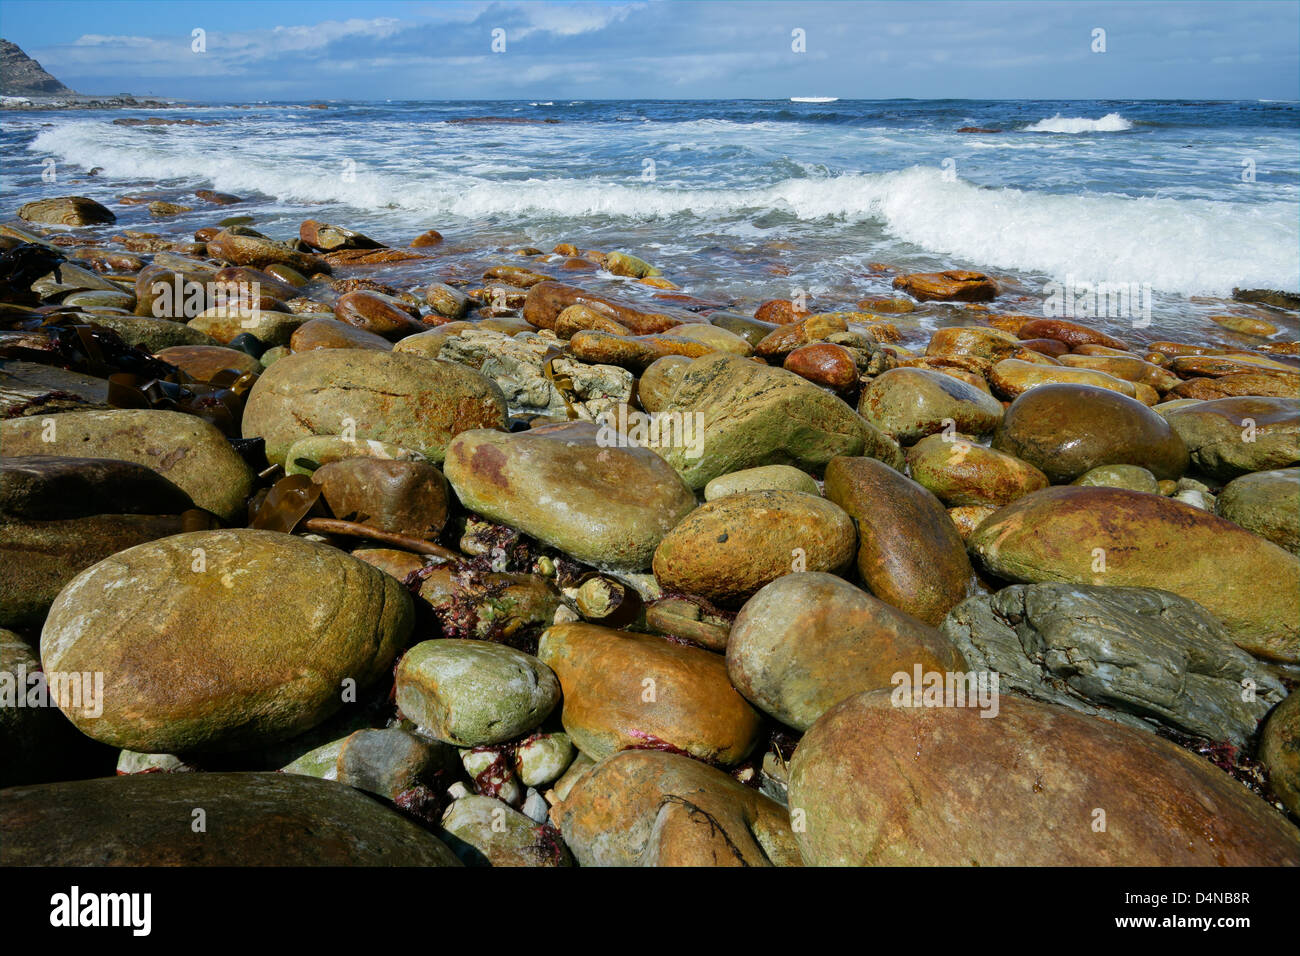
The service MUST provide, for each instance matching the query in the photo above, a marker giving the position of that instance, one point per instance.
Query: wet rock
(727, 549)
(1141, 656)
(1266, 384)
(1066, 430)
(805, 642)
(398, 399)
(884, 785)
(1071, 333)
(519, 367)
(401, 497)
(1117, 538)
(605, 506)
(392, 761)
(961, 473)
(911, 403)
(472, 693)
(1130, 368)
(546, 300)
(331, 334)
(656, 384)
(487, 832)
(1228, 437)
(954, 285)
(246, 637)
(1279, 751)
(750, 329)
(307, 454)
(1267, 503)
(909, 552)
(186, 450)
(485, 605)
(326, 238)
(985, 345)
(967, 518)
(446, 300)
(625, 690)
(201, 362)
(224, 324)
(644, 808)
(66, 211)
(257, 251)
(1132, 477)
(132, 821)
(379, 314)
(765, 478)
(824, 363)
(749, 415)
(543, 758)
(1011, 378)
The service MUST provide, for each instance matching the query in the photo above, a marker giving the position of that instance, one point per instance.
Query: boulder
(1066, 430)
(749, 414)
(727, 549)
(569, 486)
(253, 819)
(217, 640)
(398, 399)
(624, 690)
(189, 452)
(883, 785)
(645, 808)
(808, 641)
(909, 552)
(1116, 538)
(910, 403)
(1141, 656)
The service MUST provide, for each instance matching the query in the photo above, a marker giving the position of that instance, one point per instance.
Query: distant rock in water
(21, 75)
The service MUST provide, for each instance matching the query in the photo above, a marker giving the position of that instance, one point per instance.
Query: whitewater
(1190, 199)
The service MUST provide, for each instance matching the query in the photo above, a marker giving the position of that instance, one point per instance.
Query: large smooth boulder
(404, 400)
(727, 549)
(910, 403)
(1066, 430)
(626, 690)
(1114, 537)
(1037, 785)
(647, 808)
(570, 487)
(1141, 656)
(808, 641)
(474, 693)
(184, 449)
(747, 414)
(217, 640)
(1228, 437)
(962, 473)
(1267, 503)
(909, 552)
(252, 819)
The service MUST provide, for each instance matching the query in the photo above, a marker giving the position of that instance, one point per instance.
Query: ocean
(744, 200)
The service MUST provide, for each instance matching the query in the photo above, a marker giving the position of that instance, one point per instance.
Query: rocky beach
(557, 562)
(567, 483)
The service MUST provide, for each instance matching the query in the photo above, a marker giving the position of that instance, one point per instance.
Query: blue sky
(661, 49)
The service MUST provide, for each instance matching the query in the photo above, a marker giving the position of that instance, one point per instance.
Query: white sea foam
(1110, 123)
(1188, 246)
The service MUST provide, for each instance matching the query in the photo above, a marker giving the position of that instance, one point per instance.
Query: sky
(663, 49)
